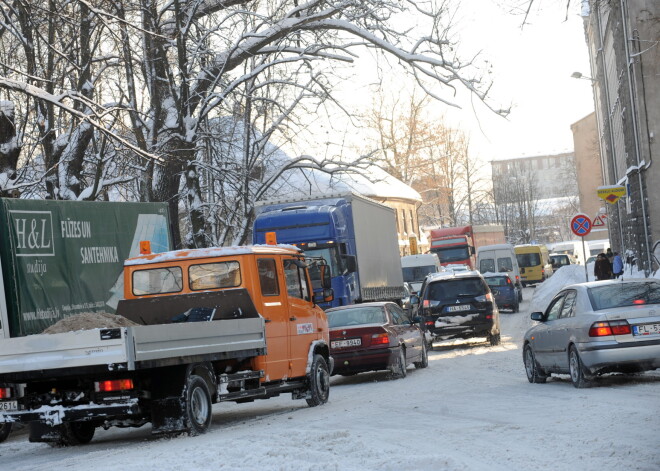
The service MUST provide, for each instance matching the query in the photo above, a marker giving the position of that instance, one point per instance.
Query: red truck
(458, 245)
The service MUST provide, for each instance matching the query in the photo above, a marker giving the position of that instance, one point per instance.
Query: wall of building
(625, 59)
(589, 172)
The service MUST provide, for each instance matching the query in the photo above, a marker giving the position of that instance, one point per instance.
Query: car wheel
(523, 284)
(534, 374)
(494, 339)
(319, 382)
(198, 405)
(424, 361)
(398, 368)
(579, 376)
(4, 431)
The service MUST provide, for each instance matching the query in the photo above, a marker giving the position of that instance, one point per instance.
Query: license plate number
(460, 307)
(346, 343)
(646, 329)
(8, 405)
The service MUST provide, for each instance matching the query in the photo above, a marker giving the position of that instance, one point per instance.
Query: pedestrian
(617, 265)
(602, 267)
(610, 255)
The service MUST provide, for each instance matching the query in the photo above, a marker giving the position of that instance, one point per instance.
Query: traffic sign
(611, 193)
(598, 221)
(581, 225)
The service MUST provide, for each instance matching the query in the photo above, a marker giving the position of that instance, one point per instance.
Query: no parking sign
(581, 225)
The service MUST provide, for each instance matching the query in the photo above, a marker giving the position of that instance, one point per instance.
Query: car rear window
(449, 290)
(526, 260)
(496, 280)
(356, 316)
(624, 294)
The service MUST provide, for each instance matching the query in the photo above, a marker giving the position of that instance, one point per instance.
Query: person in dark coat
(602, 267)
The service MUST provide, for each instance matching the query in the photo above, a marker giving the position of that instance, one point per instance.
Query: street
(471, 409)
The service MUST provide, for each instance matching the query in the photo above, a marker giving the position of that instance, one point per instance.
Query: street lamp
(578, 75)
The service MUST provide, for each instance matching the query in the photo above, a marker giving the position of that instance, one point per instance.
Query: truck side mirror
(324, 296)
(350, 263)
(326, 276)
(414, 299)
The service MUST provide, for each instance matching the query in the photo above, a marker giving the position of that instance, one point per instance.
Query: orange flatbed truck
(217, 324)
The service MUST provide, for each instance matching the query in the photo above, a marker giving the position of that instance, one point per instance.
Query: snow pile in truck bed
(88, 320)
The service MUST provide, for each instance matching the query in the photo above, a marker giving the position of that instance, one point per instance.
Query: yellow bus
(534, 262)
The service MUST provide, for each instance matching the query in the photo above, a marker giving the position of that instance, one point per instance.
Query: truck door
(275, 313)
(303, 322)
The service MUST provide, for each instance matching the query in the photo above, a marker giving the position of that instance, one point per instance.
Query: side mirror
(326, 280)
(350, 263)
(417, 319)
(414, 299)
(537, 316)
(324, 296)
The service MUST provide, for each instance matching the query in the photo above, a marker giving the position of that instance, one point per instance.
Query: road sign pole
(586, 271)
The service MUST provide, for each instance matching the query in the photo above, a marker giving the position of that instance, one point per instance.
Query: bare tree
(122, 92)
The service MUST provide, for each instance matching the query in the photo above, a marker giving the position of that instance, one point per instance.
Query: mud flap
(168, 416)
(40, 432)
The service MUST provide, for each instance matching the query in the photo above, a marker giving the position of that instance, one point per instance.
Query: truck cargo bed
(132, 347)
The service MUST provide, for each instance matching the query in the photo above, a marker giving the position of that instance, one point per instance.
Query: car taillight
(5, 393)
(639, 301)
(484, 298)
(380, 339)
(430, 323)
(508, 281)
(603, 329)
(426, 303)
(113, 385)
(517, 278)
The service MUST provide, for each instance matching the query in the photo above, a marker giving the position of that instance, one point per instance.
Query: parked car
(559, 260)
(458, 305)
(594, 328)
(504, 290)
(375, 336)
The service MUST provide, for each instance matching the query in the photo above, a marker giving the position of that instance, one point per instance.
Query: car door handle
(293, 318)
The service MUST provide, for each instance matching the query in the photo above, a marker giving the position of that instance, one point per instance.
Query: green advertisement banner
(61, 258)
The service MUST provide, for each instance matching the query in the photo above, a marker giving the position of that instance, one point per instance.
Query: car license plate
(8, 405)
(646, 329)
(460, 307)
(346, 343)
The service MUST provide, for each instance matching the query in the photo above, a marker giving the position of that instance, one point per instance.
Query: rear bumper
(358, 361)
(613, 356)
(55, 415)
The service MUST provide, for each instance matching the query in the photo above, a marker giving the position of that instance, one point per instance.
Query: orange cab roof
(187, 254)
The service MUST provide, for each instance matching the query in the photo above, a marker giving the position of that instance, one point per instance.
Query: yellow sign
(611, 193)
(414, 250)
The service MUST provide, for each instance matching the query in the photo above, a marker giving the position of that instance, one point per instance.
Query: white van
(416, 267)
(500, 258)
(571, 247)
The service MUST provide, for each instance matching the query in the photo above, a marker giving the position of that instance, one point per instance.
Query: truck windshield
(331, 255)
(452, 254)
(412, 274)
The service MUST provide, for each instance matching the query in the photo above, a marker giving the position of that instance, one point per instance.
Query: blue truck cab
(321, 228)
(356, 236)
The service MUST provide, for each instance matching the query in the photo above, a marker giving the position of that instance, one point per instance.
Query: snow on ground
(471, 409)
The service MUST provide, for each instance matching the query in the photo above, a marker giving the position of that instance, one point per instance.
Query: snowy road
(472, 409)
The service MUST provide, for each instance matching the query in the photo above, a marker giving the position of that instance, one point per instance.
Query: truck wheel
(77, 433)
(198, 405)
(319, 382)
(4, 431)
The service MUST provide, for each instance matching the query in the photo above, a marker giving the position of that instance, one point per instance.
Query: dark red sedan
(375, 336)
